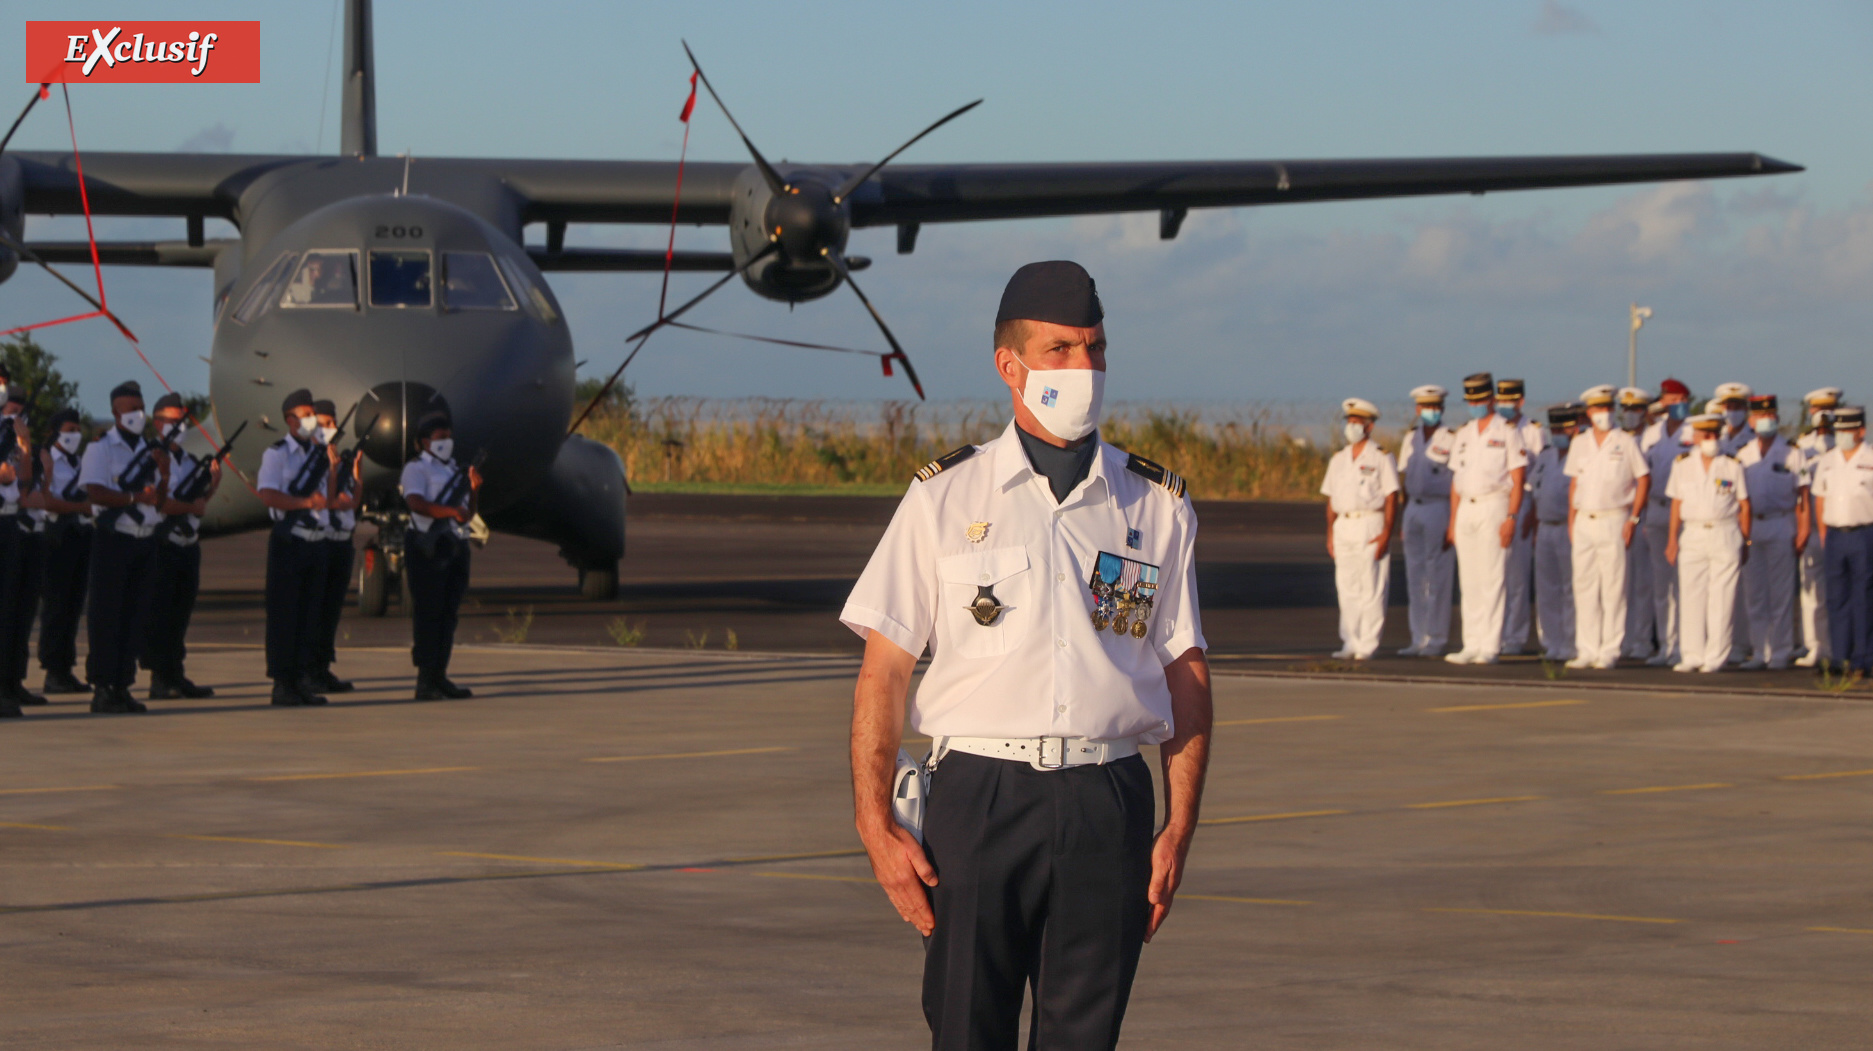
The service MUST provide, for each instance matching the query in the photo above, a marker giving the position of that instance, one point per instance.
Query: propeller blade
(774, 181)
(897, 350)
(852, 184)
(643, 334)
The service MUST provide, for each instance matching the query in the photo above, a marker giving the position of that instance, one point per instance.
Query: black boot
(26, 696)
(130, 704)
(452, 691)
(104, 701)
(325, 680)
(192, 691)
(286, 694)
(429, 686)
(10, 708)
(61, 680)
(163, 688)
(308, 692)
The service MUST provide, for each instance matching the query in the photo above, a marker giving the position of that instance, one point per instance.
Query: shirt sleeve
(1517, 449)
(272, 471)
(1640, 466)
(1576, 464)
(1742, 483)
(1180, 620)
(1405, 448)
(411, 483)
(1675, 488)
(1389, 484)
(1798, 465)
(96, 468)
(897, 593)
(1326, 484)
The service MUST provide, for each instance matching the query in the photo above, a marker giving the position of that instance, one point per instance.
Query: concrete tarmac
(612, 848)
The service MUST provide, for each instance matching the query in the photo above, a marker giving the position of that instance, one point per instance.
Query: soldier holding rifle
(295, 484)
(124, 477)
(442, 496)
(20, 557)
(67, 552)
(192, 483)
(341, 517)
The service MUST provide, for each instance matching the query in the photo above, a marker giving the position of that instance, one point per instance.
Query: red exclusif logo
(143, 52)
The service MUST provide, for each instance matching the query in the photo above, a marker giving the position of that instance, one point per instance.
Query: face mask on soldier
(1847, 441)
(1707, 446)
(1765, 425)
(1430, 417)
(70, 440)
(442, 448)
(326, 434)
(1601, 419)
(1678, 410)
(1631, 419)
(305, 426)
(132, 421)
(1735, 417)
(1065, 401)
(1355, 432)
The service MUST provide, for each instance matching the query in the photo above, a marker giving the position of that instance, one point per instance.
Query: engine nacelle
(805, 220)
(12, 212)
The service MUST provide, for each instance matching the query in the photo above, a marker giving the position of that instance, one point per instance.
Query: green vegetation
(35, 370)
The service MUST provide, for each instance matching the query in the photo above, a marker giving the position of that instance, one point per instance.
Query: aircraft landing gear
(598, 583)
(380, 571)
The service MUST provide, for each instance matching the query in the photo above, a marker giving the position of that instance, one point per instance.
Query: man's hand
(1330, 553)
(1507, 531)
(1168, 852)
(1382, 546)
(149, 496)
(905, 873)
(1625, 534)
(474, 478)
(1744, 561)
(1450, 533)
(1671, 551)
(315, 502)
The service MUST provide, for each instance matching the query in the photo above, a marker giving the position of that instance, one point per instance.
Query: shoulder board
(1682, 455)
(1156, 474)
(281, 444)
(944, 462)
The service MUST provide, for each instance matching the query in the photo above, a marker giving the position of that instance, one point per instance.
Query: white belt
(1043, 753)
(1355, 514)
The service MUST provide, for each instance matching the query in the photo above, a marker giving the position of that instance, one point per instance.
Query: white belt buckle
(1054, 748)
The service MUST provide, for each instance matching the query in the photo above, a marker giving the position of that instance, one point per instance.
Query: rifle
(197, 484)
(9, 436)
(350, 456)
(429, 541)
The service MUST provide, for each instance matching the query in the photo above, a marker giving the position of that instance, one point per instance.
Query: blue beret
(126, 389)
(1058, 292)
(297, 399)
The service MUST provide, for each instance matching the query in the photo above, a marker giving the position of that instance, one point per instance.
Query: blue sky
(1762, 280)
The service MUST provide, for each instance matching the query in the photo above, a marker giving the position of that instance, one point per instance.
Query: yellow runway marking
(796, 857)
(811, 875)
(1504, 707)
(1663, 788)
(1243, 901)
(1269, 817)
(41, 791)
(687, 755)
(1279, 719)
(42, 828)
(1471, 802)
(1560, 915)
(618, 866)
(1818, 777)
(365, 773)
(262, 842)
(1841, 930)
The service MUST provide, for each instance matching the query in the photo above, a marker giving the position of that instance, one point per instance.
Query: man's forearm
(877, 729)
(1186, 756)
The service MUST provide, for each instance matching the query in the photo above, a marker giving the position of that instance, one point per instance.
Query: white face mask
(1847, 441)
(1735, 417)
(442, 448)
(132, 421)
(304, 426)
(1707, 446)
(1632, 419)
(173, 432)
(1355, 432)
(70, 440)
(326, 434)
(1601, 419)
(1065, 401)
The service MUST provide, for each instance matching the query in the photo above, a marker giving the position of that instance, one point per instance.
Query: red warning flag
(689, 105)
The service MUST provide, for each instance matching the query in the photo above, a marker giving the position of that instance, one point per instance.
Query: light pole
(1639, 314)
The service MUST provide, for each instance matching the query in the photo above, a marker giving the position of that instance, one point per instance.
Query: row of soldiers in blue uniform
(109, 531)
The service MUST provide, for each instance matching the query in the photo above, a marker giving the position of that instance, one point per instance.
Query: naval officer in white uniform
(1430, 562)
(1361, 488)
(1818, 412)
(1488, 469)
(1610, 482)
(1709, 539)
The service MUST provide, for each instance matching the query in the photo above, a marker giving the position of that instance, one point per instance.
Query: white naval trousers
(1709, 559)
(1664, 583)
(1769, 587)
(1814, 629)
(1430, 569)
(1361, 580)
(1480, 562)
(1641, 615)
(1518, 585)
(1554, 590)
(1599, 585)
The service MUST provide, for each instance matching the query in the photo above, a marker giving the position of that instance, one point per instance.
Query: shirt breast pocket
(1004, 571)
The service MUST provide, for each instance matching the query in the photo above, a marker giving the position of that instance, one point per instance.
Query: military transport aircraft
(399, 285)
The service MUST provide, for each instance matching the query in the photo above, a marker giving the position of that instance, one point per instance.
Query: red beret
(1674, 387)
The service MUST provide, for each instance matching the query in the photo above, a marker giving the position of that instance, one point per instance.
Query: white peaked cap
(1359, 407)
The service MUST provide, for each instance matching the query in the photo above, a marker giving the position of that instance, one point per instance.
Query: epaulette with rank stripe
(944, 462)
(1156, 474)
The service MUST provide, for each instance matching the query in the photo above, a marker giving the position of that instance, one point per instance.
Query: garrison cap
(1732, 392)
(1059, 292)
(432, 423)
(1359, 407)
(1674, 386)
(63, 417)
(1511, 389)
(127, 389)
(1762, 403)
(325, 407)
(1823, 396)
(1849, 417)
(299, 399)
(1478, 386)
(171, 400)
(1597, 396)
(1429, 394)
(1634, 397)
(1563, 415)
(1706, 421)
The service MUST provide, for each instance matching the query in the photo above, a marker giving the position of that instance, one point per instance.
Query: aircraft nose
(386, 418)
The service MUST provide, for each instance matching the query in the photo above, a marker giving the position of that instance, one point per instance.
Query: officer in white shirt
(1361, 488)
(295, 484)
(1818, 419)
(443, 496)
(1430, 561)
(1732, 401)
(341, 518)
(1778, 501)
(178, 575)
(1518, 573)
(123, 476)
(1662, 444)
(1610, 482)
(1549, 490)
(1635, 404)
(1489, 467)
(1843, 498)
(21, 550)
(1051, 577)
(68, 553)
(1710, 529)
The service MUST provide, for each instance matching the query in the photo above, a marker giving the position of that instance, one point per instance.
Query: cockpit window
(518, 278)
(399, 279)
(470, 282)
(262, 292)
(324, 279)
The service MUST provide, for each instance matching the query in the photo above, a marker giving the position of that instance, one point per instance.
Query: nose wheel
(381, 576)
(599, 583)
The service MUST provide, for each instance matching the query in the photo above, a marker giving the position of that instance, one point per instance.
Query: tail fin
(359, 137)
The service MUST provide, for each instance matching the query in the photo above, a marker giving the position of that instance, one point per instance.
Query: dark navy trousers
(1848, 555)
